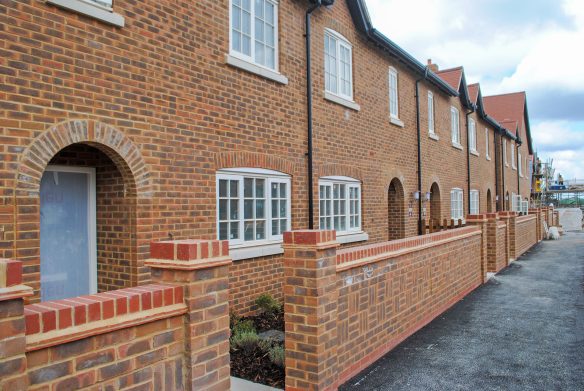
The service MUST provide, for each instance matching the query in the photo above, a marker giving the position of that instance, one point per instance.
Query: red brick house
(130, 123)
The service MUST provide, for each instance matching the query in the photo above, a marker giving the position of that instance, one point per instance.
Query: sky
(535, 46)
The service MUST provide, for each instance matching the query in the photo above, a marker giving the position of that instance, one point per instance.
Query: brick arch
(254, 160)
(331, 169)
(115, 144)
(396, 217)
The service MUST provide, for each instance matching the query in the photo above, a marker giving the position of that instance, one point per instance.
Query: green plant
(267, 303)
(233, 319)
(245, 341)
(243, 326)
(277, 355)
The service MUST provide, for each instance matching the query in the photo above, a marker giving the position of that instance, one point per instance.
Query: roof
(362, 22)
(473, 93)
(510, 107)
(452, 76)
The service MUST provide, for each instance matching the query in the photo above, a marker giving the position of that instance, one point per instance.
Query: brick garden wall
(382, 302)
(501, 259)
(525, 233)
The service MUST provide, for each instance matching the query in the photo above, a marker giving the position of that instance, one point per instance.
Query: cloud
(564, 142)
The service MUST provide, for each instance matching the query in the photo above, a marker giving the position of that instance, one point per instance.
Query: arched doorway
(87, 223)
(489, 201)
(396, 210)
(435, 204)
(73, 166)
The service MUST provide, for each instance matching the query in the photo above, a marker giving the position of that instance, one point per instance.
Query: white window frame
(472, 135)
(393, 82)
(251, 58)
(520, 166)
(505, 152)
(350, 183)
(513, 164)
(456, 204)
(488, 156)
(455, 126)
(270, 177)
(474, 202)
(431, 124)
(340, 42)
(92, 9)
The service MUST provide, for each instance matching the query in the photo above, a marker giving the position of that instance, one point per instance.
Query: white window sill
(433, 136)
(514, 168)
(341, 101)
(91, 10)
(396, 122)
(255, 69)
(262, 250)
(506, 164)
(352, 237)
(474, 152)
(457, 146)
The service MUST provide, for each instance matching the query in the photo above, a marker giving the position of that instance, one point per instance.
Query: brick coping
(56, 322)
(358, 256)
(523, 219)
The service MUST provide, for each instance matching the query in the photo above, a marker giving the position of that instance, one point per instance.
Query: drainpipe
(503, 171)
(309, 153)
(420, 222)
(495, 160)
(468, 154)
(517, 166)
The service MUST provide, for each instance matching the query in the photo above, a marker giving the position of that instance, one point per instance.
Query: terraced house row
(125, 122)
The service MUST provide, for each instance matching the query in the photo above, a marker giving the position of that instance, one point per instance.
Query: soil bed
(255, 364)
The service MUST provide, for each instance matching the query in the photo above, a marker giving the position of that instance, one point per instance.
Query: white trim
(457, 146)
(454, 131)
(459, 210)
(246, 252)
(251, 170)
(395, 116)
(474, 152)
(340, 41)
(431, 124)
(474, 202)
(487, 149)
(472, 135)
(235, 55)
(350, 183)
(91, 217)
(396, 121)
(256, 69)
(90, 9)
(434, 136)
(238, 175)
(341, 101)
(352, 237)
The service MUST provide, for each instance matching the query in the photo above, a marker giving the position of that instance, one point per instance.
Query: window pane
(222, 209)
(223, 229)
(248, 209)
(234, 230)
(283, 207)
(248, 235)
(260, 188)
(248, 187)
(222, 188)
(283, 225)
(260, 209)
(275, 208)
(234, 188)
(282, 190)
(260, 230)
(234, 209)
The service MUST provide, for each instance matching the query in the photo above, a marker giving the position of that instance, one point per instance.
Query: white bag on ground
(554, 233)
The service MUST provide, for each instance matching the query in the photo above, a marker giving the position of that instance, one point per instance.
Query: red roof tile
(473, 92)
(506, 108)
(451, 76)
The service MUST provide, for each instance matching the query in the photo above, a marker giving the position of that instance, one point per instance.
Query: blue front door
(67, 233)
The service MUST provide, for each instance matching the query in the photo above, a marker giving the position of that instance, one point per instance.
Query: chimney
(433, 67)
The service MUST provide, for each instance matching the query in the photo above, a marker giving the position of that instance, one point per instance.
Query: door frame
(91, 217)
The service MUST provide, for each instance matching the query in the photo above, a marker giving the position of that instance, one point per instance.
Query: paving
(522, 330)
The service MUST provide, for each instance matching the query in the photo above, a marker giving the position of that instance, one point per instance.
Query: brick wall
(525, 233)
(159, 100)
(501, 257)
(172, 335)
